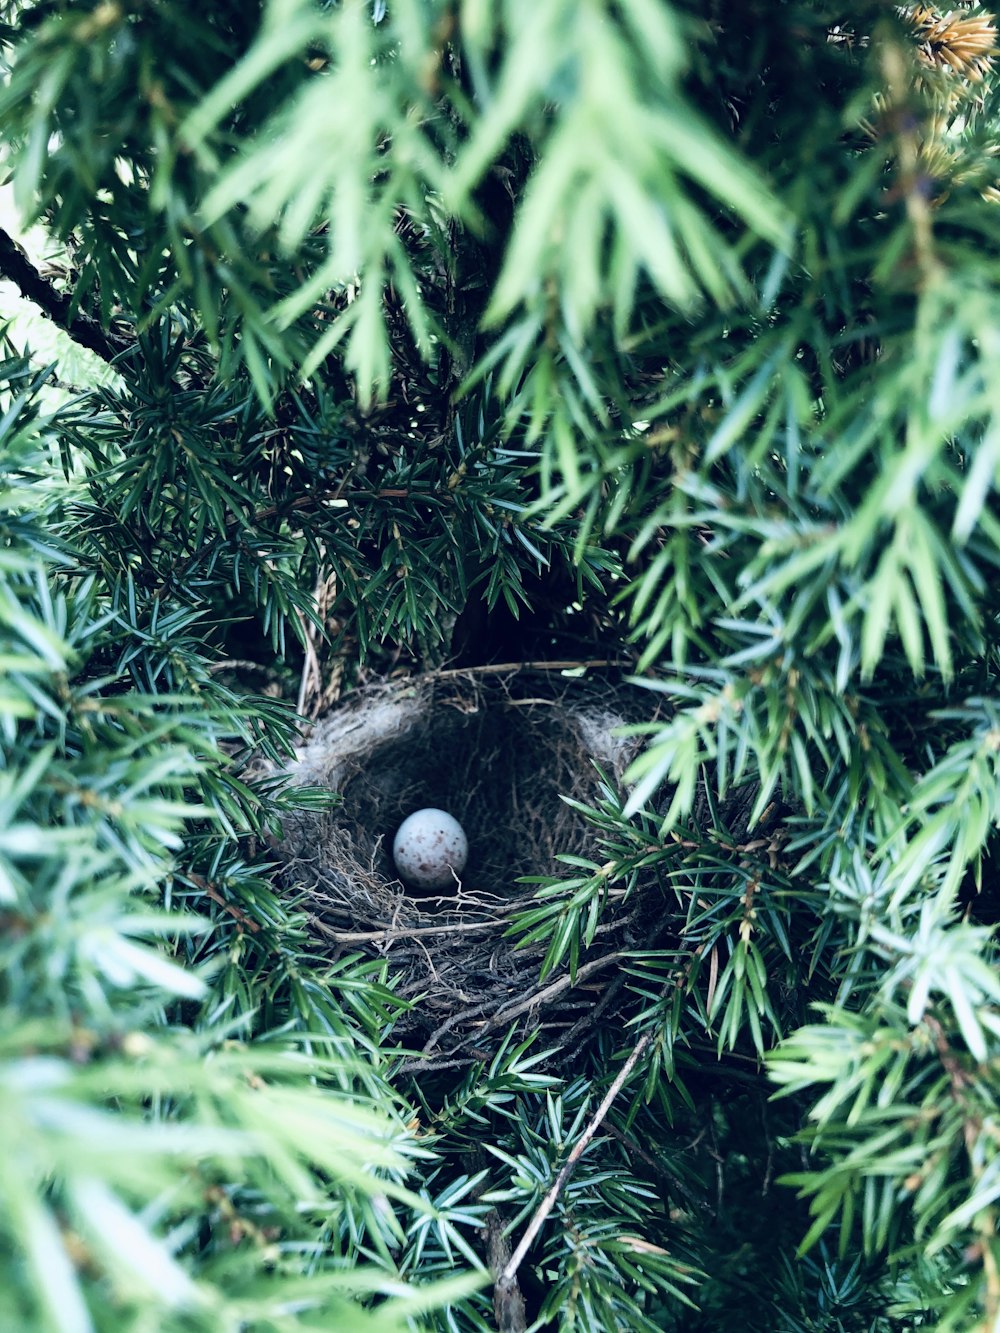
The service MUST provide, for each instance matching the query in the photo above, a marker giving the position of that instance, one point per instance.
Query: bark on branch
(15, 265)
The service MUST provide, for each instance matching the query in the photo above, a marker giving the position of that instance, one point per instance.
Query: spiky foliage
(669, 329)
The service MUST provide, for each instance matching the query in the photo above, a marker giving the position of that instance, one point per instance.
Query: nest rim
(464, 979)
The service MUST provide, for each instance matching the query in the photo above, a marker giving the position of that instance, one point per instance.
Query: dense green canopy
(436, 330)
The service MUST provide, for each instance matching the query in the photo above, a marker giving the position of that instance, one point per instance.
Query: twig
(211, 892)
(672, 1184)
(506, 1280)
(244, 664)
(312, 674)
(593, 1013)
(425, 1066)
(451, 1022)
(897, 71)
(387, 936)
(339, 499)
(510, 1011)
(15, 265)
(505, 668)
(567, 982)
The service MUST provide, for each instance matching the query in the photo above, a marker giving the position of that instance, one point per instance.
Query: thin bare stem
(506, 1278)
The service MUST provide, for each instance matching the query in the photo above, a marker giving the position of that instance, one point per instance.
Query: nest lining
(499, 755)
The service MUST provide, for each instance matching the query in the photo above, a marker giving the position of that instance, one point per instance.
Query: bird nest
(500, 753)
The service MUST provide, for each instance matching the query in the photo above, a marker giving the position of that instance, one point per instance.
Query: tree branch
(15, 265)
(506, 1280)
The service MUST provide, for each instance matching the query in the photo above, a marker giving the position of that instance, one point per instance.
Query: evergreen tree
(442, 330)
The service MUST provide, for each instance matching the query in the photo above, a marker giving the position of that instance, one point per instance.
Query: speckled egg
(430, 849)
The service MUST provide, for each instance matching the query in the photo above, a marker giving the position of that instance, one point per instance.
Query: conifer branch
(18, 268)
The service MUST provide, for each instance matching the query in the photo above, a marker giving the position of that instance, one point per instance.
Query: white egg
(430, 849)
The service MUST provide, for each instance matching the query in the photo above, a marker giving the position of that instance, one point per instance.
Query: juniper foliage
(642, 330)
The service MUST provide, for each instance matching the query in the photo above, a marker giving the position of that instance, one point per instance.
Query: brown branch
(568, 982)
(15, 265)
(593, 1013)
(506, 1282)
(338, 500)
(508, 1302)
(210, 891)
(459, 1062)
(244, 664)
(387, 936)
(508, 668)
(514, 1008)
